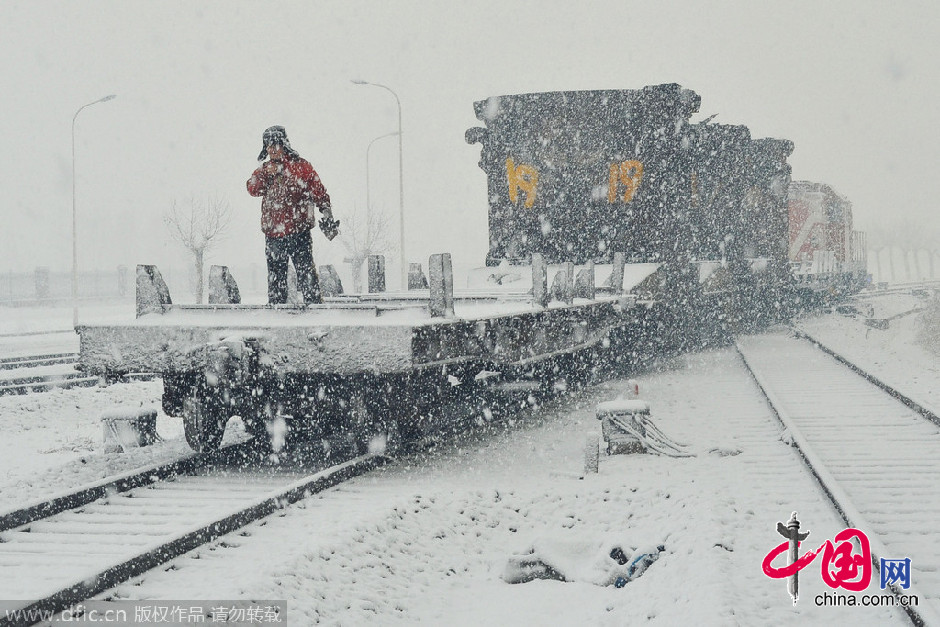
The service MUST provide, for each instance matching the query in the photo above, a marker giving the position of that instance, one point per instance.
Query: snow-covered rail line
(84, 495)
(876, 459)
(30, 361)
(930, 413)
(67, 558)
(39, 373)
(26, 385)
(49, 371)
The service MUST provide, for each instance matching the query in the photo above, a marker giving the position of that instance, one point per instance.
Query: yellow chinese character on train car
(628, 173)
(524, 177)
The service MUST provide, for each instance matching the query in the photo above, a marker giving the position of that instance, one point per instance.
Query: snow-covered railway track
(920, 406)
(110, 486)
(41, 373)
(876, 459)
(60, 560)
(44, 383)
(31, 361)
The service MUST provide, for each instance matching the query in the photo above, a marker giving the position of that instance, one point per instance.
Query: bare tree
(910, 239)
(198, 225)
(926, 240)
(890, 239)
(365, 236)
(933, 248)
(877, 242)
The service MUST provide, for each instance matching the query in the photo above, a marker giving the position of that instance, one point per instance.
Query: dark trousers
(299, 249)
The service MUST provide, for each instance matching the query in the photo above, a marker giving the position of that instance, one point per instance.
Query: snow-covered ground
(430, 538)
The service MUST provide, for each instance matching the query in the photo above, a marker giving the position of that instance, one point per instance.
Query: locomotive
(826, 254)
(580, 175)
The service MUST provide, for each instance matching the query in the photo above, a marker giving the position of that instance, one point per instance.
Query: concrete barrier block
(223, 290)
(153, 296)
(129, 428)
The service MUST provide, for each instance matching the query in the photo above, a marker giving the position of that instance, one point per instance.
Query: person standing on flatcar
(290, 188)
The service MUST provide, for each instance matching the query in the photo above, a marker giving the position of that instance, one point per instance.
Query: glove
(330, 227)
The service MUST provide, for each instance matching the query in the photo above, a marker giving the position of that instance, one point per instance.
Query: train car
(719, 185)
(579, 175)
(586, 174)
(364, 366)
(828, 258)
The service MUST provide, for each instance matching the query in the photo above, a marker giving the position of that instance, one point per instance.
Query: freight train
(617, 228)
(581, 175)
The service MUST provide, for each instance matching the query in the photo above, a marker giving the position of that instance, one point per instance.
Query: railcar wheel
(256, 427)
(373, 430)
(384, 439)
(202, 427)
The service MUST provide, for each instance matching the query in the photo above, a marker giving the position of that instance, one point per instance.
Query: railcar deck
(347, 337)
(376, 333)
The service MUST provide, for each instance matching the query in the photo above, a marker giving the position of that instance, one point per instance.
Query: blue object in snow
(642, 560)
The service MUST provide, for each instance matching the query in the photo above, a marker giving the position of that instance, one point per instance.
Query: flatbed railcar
(365, 365)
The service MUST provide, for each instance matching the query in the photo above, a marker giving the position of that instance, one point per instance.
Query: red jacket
(288, 197)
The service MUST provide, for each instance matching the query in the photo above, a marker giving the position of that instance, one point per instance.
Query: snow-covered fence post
(584, 284)
(416, 278)
(41, 281)
(222, 287)
(592, 450)
(616, 275)
(441, 274)
(152, 292)
(376, 273)
(539, 280)
(122, 280)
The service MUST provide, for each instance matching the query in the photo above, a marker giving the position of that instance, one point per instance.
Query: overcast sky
(853, 84)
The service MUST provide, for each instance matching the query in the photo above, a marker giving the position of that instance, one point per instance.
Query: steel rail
(30, 361)
(919, 406)
(83, 495)
(834, 491)
(83, 587)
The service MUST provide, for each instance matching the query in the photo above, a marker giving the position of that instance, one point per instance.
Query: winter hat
(273, 136)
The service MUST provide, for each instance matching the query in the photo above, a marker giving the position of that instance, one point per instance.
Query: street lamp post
(74, 222)
(401, 184)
